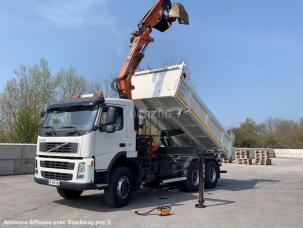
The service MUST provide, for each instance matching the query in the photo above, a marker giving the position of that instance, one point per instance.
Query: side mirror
(110, 129)
(111, 116)
(42, 114)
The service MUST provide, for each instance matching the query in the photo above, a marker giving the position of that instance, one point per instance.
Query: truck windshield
(72, 120)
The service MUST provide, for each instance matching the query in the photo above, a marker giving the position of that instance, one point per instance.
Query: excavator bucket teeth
(178, 12)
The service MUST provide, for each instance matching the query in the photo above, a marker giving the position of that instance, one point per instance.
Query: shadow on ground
(149, 197)
(146, 198)
(241, 185)
(154, 197)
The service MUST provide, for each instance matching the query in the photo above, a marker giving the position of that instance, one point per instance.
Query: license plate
(54, 182)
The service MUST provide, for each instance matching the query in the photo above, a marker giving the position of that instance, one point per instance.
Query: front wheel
(119, 190)
(69, 193)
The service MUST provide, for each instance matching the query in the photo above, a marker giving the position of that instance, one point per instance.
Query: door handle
(122, 145)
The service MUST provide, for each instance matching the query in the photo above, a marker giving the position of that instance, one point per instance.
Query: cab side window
(119, 120)
(118, 125)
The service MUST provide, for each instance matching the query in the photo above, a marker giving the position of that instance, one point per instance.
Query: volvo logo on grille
(57, 147)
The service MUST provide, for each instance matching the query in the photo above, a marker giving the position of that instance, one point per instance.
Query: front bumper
(66, 171)
(68, 185)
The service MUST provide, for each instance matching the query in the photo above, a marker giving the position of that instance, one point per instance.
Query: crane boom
(160, 17)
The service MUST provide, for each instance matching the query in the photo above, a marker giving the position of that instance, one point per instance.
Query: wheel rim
(212, 174)
(123, 187)
(195, 177)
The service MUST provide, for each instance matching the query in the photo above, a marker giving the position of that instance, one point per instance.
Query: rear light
(77, 96)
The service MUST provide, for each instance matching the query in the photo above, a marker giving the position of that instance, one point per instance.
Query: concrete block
(28, 151)
(10, 152)
(26, 166)
(292, 155)
(6, 167)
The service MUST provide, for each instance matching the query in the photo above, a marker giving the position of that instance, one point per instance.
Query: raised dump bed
(167, 93)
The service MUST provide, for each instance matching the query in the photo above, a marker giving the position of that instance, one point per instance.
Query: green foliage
(69, 83)
(26, 126)
(273, 133)
(247, 134)
(3, 136)
(28, 94)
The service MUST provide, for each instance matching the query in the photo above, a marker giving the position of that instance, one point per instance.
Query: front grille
(57, 165)
(52, 147)
(57, 176)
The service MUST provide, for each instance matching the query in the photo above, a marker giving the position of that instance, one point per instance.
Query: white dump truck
(118, 145)
(150, 135)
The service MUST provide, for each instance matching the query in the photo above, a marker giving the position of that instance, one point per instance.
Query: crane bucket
(178, 12)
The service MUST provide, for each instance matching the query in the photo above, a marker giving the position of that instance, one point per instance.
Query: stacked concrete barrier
(262, 158)
(272, 153)
(252, 151)
(243, 158)
(17, 159)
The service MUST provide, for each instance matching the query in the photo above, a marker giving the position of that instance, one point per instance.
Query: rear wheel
(192, 182)
(119, 190)
(69, 193)
(211, 174)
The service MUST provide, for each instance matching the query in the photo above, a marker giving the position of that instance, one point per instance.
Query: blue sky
(245, 57)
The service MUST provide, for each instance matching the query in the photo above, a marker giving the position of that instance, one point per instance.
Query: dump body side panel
(167, 91)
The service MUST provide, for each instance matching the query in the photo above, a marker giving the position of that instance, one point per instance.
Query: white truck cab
(79, 139)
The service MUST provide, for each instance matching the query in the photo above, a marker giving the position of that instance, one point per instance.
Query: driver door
(107, 142)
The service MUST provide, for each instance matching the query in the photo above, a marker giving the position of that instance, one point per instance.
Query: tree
(3, 135)
(33, 88)
(247, 134)
(26, 126)
(70, 83)
(268, 133)
(273, 133)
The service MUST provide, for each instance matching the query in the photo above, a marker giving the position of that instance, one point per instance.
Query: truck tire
(119, 191)
(69, 193)
(211, 174)
(192, 182)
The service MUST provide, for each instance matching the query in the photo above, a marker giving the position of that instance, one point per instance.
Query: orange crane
(160, 16)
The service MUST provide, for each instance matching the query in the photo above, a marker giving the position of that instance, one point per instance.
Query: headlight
(81, 170)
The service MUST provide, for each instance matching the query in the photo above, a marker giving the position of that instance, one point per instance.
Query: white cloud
(74, 12)
(79, 13)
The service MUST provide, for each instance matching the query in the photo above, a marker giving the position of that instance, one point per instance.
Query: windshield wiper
(72, 127)
(52, 130)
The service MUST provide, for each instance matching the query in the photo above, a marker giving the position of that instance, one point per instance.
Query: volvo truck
(149, 136)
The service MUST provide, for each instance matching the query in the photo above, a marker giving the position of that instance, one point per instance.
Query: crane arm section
(160, 17)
